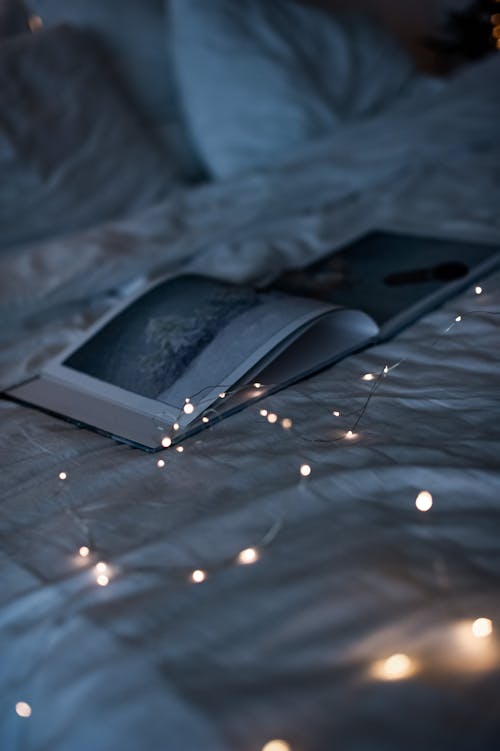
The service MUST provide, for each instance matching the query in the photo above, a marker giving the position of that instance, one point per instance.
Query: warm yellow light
(458, 319)
(248, 555)
(368, 377)
(188, 408)
(350, 435)
(101, 567)
(204, 419)
(102, 580)
(496, 32)
(35, 23)
(63, 475)
(263, 412)
(198, 576)
(166, 442)
(257, 385)
(180, 449)
(84, 551)
(305, 470)
(396, 667)
(336, 413)
(386, 369)
(277, 745)
(286, 423)
(272, 417)
(160, 463)
(424, 501)
(176, 426)
(482, 627)
(23, 709)
(222, 395)
(478, 290)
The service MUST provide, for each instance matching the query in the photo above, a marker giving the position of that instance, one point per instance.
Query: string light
(160, 463)
(305, 470)
(272, 417)
(350, 435)
(277, 745)
(336, 413)
(101, 567)
(257, 385)
(84, 551)
(424, 501)
(205, 419)
(263, 412)
(247, 556)
(198, 576)
(482, 627)
(180, 449)
(23, 709)
(386, 369)
(286, 423)
(188, 408)
(368, 377)
(176, 426)
(394, 668)
(166, 442)
(478, 290)
(63, 476)
(222, 395)
(102, 580)
(458, 319)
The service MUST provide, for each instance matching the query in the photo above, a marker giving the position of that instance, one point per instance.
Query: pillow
(72, 150)
(260, 78)
(134, 34)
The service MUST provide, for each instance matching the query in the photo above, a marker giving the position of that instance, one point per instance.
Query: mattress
(351, 621)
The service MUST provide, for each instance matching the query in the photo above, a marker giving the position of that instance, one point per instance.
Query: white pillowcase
(258, 78)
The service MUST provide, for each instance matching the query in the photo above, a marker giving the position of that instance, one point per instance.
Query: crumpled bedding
(349, 571)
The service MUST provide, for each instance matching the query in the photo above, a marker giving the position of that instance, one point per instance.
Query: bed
(227, 599)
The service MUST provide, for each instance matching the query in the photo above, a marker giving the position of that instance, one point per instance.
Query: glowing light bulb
(160, 463)
(458, 319)
(84, 551)
(205, 419)
(166, 442)
(305, 470)
(257, 385)
(478, 290)
(188, 408)
(272, 417)
(247, 556)
(263, 412)
(63, 475)
(102, 580)
(198, 576)
(424, 501)
(350, 435)
(23, 709)
(176, 426)
(101, 567)
(368, 377)
(397, 667)
(222, 395)
(336, 413)
(277, 745)
(286, 423)
(386, 369)
(482, 627)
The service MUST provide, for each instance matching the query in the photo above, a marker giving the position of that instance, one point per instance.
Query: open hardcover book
(189, 350)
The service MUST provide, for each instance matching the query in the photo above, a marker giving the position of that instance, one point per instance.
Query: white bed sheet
(350, 572)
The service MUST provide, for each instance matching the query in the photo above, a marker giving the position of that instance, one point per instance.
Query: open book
(189, 350)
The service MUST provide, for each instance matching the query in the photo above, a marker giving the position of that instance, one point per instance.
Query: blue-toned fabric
(259, 79)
